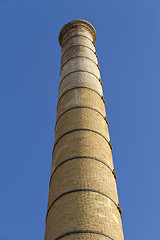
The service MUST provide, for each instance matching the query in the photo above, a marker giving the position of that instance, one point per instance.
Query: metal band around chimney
(100, 81)
(81, 129)
(98, 67)
(103, 99)
(79, 88)
(83, 190)
(83, 157)
(80, 57)
(77, 45)
(79, 107)
(106, 119)
(84, 231)
(96, 54)
(84, 71)
(77, 35)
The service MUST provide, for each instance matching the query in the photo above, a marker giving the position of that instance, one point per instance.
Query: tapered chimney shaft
(83, 201)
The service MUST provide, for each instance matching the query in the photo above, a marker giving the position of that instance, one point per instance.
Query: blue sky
(128, 47)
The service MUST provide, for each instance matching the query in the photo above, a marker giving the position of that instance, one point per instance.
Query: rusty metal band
(79, 88)
(96, 54)
(77, 35)
(98, 67)
(84, 231)
(80, 57)
(83, 190)
(83, 157)
(77, 107)
(99, 79)
(78, 45)
(82, 129)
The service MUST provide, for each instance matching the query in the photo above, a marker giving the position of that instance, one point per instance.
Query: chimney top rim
(74, 22)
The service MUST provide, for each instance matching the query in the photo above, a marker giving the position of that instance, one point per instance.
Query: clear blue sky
(128, 47)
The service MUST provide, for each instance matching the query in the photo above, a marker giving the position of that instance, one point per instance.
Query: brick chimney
(83, 201)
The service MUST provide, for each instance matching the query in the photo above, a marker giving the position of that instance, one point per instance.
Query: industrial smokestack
(83, 201)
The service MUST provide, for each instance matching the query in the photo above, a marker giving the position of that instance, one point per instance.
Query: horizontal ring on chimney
(77, 45)
(82, 129)
(76, 72)
(83, 157)
(80, 57)
(78, 88)
(77, 35)
(84, 231)
(103, 99)
(77, 107)
(96, 54)
(83, 190)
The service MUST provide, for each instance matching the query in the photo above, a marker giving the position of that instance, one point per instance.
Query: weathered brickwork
(83, 201)
(79, 79)
(81, 97)
(82, 173)
(79, 51)
(81, 118)
(85, 143)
